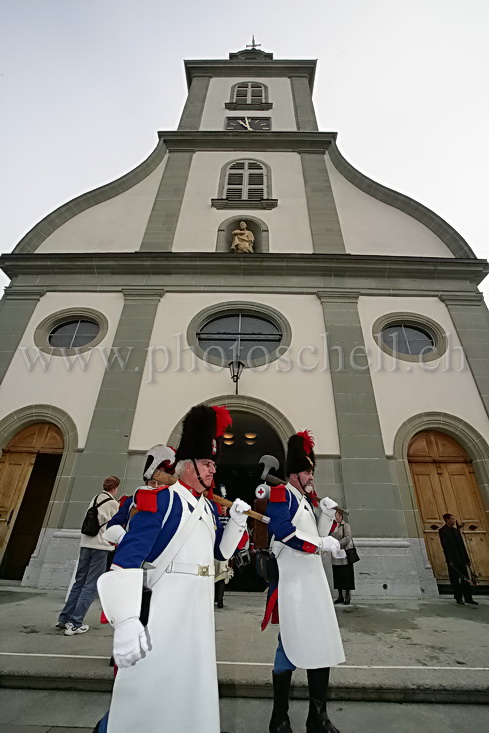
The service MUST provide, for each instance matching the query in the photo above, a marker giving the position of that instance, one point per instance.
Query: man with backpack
(92, 560)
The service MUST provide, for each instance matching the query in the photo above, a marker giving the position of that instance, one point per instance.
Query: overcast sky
(86, 84)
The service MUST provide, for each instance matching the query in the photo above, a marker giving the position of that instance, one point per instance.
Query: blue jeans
(91, 565)
(282, 662)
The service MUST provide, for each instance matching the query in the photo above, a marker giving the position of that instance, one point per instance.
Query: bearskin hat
(300, 453)
(202, 429)
(160, 457)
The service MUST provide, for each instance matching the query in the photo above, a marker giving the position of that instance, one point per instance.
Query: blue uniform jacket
(150, 531)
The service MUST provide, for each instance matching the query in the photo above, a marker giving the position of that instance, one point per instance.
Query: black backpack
(91, 526)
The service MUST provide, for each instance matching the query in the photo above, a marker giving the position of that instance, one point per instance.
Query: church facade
(246, 242)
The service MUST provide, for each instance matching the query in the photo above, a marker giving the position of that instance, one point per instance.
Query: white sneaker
(71, 629)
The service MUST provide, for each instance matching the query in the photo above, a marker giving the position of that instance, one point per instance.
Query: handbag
(351, 554)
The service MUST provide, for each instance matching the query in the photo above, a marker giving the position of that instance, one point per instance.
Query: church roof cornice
(399, 275)
(252, 67)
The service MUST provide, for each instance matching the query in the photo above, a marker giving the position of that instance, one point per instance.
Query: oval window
(240, 335)
(407, 339)
(73, 333)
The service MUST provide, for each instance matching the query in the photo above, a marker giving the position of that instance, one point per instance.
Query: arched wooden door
(28, 469)
(445, 481)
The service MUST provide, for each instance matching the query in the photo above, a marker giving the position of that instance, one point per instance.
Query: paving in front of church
(396, 651)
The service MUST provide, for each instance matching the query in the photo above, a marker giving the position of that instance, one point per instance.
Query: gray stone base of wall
(393, 568)
(52, 564)
(388, 567)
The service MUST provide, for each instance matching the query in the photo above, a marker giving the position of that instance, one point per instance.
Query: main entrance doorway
(239, 471)
(445, 481)
(28, 470)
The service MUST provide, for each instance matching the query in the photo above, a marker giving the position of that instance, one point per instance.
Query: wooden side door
(15, 469)
(444, 481)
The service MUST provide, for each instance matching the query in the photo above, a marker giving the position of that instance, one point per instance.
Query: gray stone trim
(471, 320)
(416, 320)
(303, 107)
(340, 273)
(162, 222)
(244, 204)
(44, 328)
(276, 419)
(16, 310)
(232, 96)
(228, 308)
(265, 106)
(453, 240)
(323, 216)
(259, 141)
(107, 442)
(465, 434)
(25, 416)
(41, 231)
(194, 106)
(371, 497)
(262, 244)
(245, 68)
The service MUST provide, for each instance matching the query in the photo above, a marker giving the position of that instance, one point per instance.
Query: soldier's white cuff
(114, 534)
(121, 592)
(230, 539)
(306, 537)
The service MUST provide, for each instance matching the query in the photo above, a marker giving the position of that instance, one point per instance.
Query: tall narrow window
(249, 92)
(246, 180)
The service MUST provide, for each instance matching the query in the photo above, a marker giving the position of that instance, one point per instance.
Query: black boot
(317, 720)
(219, 593)
(339, 599)
(279, 722)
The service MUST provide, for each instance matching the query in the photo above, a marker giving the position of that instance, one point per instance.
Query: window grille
(246, 180)
(249, 92)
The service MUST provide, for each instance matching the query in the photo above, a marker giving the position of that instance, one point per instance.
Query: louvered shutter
(246, 180)
(249, 92)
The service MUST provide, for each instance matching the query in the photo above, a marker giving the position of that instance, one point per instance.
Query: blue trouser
(282, 662)
(91, 565)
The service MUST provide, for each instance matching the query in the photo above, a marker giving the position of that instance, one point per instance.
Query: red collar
(192, 491)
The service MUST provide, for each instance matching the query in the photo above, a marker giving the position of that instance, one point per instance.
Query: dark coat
(453, 546)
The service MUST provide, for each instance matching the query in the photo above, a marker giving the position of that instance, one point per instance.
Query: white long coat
(308, 626)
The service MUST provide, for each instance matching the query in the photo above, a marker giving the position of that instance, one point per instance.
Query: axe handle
(170, 480)
(274, 480)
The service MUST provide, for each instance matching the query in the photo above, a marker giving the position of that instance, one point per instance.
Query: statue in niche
(243, 240)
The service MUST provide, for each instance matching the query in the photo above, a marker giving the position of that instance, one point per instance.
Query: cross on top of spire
(253, 45)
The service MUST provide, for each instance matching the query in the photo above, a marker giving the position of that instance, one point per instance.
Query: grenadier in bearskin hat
(172, 541)
(309, 635)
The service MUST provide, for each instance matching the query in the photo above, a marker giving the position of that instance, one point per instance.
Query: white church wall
(288, 223)
(74, 391)
(371, 227)
(116, 225)
(304, 396)
(219, 92)
(443, 385)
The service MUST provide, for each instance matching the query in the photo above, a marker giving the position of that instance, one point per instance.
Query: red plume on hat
(223, 419)
(308, 441)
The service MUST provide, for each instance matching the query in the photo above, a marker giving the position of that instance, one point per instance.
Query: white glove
(131, 642)
(328, 506)
(236, 512)
(329, 544)
(114, 534)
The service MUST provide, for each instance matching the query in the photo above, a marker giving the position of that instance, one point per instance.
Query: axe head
(270, 463)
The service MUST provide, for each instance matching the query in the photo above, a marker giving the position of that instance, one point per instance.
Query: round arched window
(408, 339)
(73, 333)
(245, 336)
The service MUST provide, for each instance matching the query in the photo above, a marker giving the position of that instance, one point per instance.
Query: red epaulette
(147, 499)
(278, 493)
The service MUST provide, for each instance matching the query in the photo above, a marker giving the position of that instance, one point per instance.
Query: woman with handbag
(343, 575)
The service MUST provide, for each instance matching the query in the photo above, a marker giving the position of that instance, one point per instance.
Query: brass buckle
(203, 570)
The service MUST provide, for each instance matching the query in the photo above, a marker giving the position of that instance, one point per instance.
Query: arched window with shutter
(245, 184)
(249, 95)
(249, 92)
